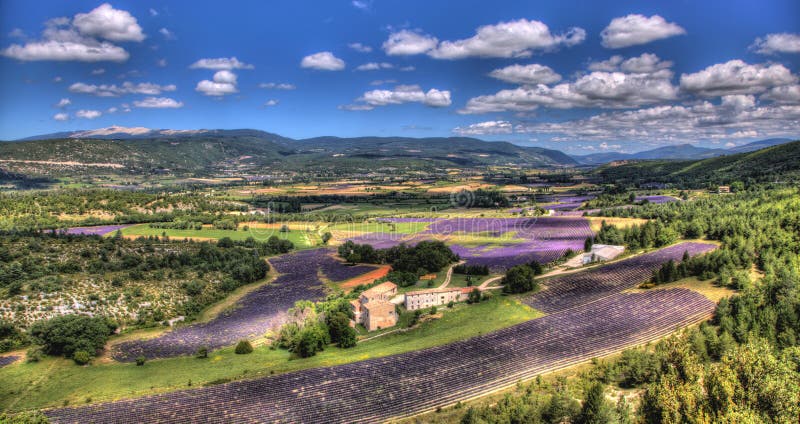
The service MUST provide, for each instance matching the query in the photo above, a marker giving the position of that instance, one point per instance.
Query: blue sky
(580, 76)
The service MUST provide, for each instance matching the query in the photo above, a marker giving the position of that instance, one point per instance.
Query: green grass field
(381, 227)
(301, 239)
(56, 382)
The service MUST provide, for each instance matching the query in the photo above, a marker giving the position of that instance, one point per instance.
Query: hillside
(779, 163)
(119, 150)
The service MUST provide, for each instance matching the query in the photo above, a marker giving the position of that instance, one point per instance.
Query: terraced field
(379, 389)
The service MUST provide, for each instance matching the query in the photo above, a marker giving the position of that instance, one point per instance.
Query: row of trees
(423, 258)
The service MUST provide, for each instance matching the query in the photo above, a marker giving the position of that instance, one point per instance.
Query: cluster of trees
(179, 224)
(423, 258)
(73, 336)
(471, 269)
(311, 327)
(521, 278)
(648, 235)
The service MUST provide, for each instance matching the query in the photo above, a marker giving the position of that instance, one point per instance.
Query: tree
(326, 237)
(81, 357)
(64, 335)
(348, 338)
(519, 279)
(338, 323)
(474, 296)
(140, 360)
(243, 347)
(596, 409)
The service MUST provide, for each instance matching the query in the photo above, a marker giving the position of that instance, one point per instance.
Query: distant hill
(677, 152)
(121, 150)
(778, 163)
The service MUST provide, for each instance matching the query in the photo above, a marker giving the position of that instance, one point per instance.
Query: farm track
(407, 384)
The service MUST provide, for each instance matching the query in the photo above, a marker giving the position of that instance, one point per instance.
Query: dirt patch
(366, 278)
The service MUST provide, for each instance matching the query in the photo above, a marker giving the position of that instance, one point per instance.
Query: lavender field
(255, 314)
(98, 230)
(379, 389)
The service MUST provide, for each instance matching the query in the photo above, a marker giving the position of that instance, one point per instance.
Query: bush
(81, 357)
(202, 353)
(31, 417)
(140, 360)
(34, 354)
(434, 310)
(243, 347)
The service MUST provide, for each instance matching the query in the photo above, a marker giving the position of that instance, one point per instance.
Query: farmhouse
(421, 299)
(723, 189)
(373, 309)
(602, 253)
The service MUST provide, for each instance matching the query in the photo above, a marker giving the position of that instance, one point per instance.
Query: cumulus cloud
(518, 38)
(88, 114)
(361, 48)
(643, 64)
(788, 94)
(276, 86)
(109, 23)
(98, 71)
(406, 42)
(777, 43)
(736, 77)
(63, 103)
(324, 61)
(223, 83)
(735, 116)
(221, 63)
(158, 103)
(113, 90)
(483, 128)
(169, 35)
(526, 74)
(61, 116)
(271, 102)
(401, 94)
(636, 29)
(596, 89)
(374, 66)
(87, 37)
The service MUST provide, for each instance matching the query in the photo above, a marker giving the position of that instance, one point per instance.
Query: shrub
(34, 354)
(64, 335)
(434, 310)
(81, 357)
(243, 347)
(202, 353)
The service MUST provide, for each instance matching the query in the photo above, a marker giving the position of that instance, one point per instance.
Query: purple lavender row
(5, 360)
(98, 230)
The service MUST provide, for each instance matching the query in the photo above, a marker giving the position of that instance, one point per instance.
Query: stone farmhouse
(421, 299)
(373, 308)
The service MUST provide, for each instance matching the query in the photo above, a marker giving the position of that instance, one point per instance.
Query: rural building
(373, 310)
(421, 299)
(602, 253)
(723, 189)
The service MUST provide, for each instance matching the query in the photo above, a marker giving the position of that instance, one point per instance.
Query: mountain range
(677, 152)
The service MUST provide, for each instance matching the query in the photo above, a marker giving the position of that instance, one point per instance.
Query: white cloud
(401, 94)
(361, 48)
(596, 89)
(17, 33)
(361, 4)
(153, 12)
(221, 63)
(63, 103)
(736, 116)
(276, 86)
(162, 63)
(646, 63)
(109, 23)
(61, 116)
(408, 68)
(112, 110)
(406, 42)
(271, 102)
(777, 43)
(86, 38)
(508, 39)
(158, 103)
(57, 79)
(98, 71)
(324, 61)
(373, 66)
(526, 74)
(169, 35)
(636, 29)
(788, 94)
(382, 82)
(488, 127)
(736, 77)
(88, 114)
(113, 90)
(224, 82)
(518, 38)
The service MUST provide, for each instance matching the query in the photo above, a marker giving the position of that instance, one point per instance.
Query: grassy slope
(54, 381)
